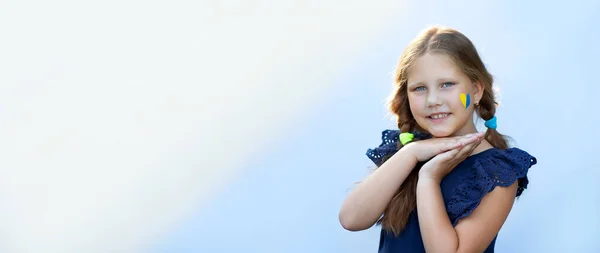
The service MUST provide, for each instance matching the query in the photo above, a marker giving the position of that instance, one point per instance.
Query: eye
(447, 84)
(420, 88)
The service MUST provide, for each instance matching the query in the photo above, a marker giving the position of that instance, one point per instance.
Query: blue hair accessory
(491, 123)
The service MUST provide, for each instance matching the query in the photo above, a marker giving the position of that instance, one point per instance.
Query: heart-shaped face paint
(465, 99)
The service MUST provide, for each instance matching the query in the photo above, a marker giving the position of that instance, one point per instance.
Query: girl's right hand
(427, 149)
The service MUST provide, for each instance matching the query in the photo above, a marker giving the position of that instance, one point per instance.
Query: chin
(440, 133)
(438, 129)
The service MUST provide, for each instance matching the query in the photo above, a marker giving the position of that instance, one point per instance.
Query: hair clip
(491, 123)
(406, 138)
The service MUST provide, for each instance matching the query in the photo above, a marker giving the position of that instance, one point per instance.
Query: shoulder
(490, 169)
(504, 167)
(388, 146)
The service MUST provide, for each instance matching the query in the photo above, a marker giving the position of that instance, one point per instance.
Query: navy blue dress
(462, 189)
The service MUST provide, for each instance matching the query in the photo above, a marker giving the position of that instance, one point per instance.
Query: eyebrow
(410, 85)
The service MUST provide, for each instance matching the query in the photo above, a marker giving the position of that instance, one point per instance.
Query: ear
(477, 91)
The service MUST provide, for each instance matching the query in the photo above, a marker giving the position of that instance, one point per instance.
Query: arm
(366, 203)
(473, 233)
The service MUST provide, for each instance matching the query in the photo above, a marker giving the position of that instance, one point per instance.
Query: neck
(467, 129)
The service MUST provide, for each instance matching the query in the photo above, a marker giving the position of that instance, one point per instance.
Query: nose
(433, 99)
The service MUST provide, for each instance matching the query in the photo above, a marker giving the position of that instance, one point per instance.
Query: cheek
(454, 100)
(416, 103)
(456, 103)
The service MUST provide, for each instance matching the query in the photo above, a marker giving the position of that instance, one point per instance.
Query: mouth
(438, 116)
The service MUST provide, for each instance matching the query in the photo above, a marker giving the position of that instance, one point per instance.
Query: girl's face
(434, 88)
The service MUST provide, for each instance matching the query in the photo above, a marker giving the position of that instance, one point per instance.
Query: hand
(426, 149)
(438, 167)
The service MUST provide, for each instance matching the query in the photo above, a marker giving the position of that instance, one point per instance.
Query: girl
(440, 186)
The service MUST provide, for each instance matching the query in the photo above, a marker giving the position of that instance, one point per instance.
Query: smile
(438, 116)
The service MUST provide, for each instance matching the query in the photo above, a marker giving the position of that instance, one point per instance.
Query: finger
(453, 153)
(470, 138)
(454, 144)
(467, 150)
(448, 144)
(460, 141)
(445, 157)
(475, 144)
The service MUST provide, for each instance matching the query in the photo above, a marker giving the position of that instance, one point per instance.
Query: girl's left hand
(440, 165)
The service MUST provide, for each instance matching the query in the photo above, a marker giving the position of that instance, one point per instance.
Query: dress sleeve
(388, 146)
(501, 168)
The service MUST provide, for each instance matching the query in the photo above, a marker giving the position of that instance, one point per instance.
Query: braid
(395, 216)
(486, 110)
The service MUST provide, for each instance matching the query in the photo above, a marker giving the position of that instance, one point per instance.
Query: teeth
(439, 116)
